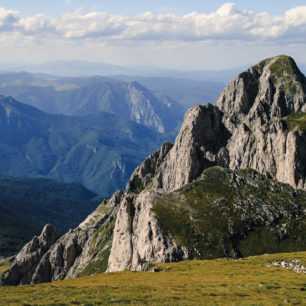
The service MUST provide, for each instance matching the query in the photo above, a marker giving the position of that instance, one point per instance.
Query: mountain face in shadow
(100, 151)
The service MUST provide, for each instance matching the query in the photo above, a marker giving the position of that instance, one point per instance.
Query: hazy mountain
(100, 151)
(86, 68)
(187, 92)
(68, 68)
(84, 96)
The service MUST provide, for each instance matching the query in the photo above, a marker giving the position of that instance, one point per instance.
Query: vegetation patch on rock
(234, 214)
(296, 120)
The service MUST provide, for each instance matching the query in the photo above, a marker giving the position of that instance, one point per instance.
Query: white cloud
(227, 23)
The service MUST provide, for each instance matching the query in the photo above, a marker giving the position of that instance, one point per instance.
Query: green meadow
(246, 281)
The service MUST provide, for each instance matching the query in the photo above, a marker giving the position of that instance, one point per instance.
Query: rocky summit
(233, 184)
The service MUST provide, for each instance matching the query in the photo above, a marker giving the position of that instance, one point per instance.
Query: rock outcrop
(28, 258)
(255, 105)
(138, 237)
(171, 210)
(246, 129)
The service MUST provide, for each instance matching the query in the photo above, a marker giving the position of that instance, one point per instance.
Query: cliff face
(257, 106)
(246, 129)
(172, 209)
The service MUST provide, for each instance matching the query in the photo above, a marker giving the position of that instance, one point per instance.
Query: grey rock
(255, 104)
(246, 129)
(144, 173)
(138, 238)
(29, 257)
(199, 145)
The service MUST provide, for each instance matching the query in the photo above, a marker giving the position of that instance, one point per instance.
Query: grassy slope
(221, 281)
(4, 264)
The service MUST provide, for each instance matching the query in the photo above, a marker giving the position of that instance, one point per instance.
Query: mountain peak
(282, 71)
(278, 64)
(275, 85)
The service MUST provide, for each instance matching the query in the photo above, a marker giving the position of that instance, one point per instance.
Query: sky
(172, 34)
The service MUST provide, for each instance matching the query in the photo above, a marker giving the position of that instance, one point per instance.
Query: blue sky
(170, 34)
(130, 7)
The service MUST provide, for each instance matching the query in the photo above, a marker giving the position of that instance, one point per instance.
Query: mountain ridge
(86, 96)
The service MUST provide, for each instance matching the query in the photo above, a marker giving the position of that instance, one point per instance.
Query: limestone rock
(144, 173)
(246, 129)
(255, 105)
(138, 238)
(29, 257)
(199, 145)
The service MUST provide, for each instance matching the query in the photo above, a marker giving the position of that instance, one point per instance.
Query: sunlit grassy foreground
(222, 281)
(3, 268)
(4, 264)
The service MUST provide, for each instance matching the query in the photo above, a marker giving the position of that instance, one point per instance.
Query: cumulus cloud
(227, 23)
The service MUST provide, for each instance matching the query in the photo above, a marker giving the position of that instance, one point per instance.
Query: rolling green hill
(26, 205)
(14, 232)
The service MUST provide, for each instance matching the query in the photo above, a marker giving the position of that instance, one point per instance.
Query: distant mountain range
(86, 68)
(100, 150)
(84, 96)
(79, 68)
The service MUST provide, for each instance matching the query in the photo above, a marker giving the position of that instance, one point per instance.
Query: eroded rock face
(138, 238)
(246, 129)
(254, 106)
(29, 257)
(199, 145)
(144, 173)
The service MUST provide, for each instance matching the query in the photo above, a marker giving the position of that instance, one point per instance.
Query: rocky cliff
(179, 205)
(248, 128)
